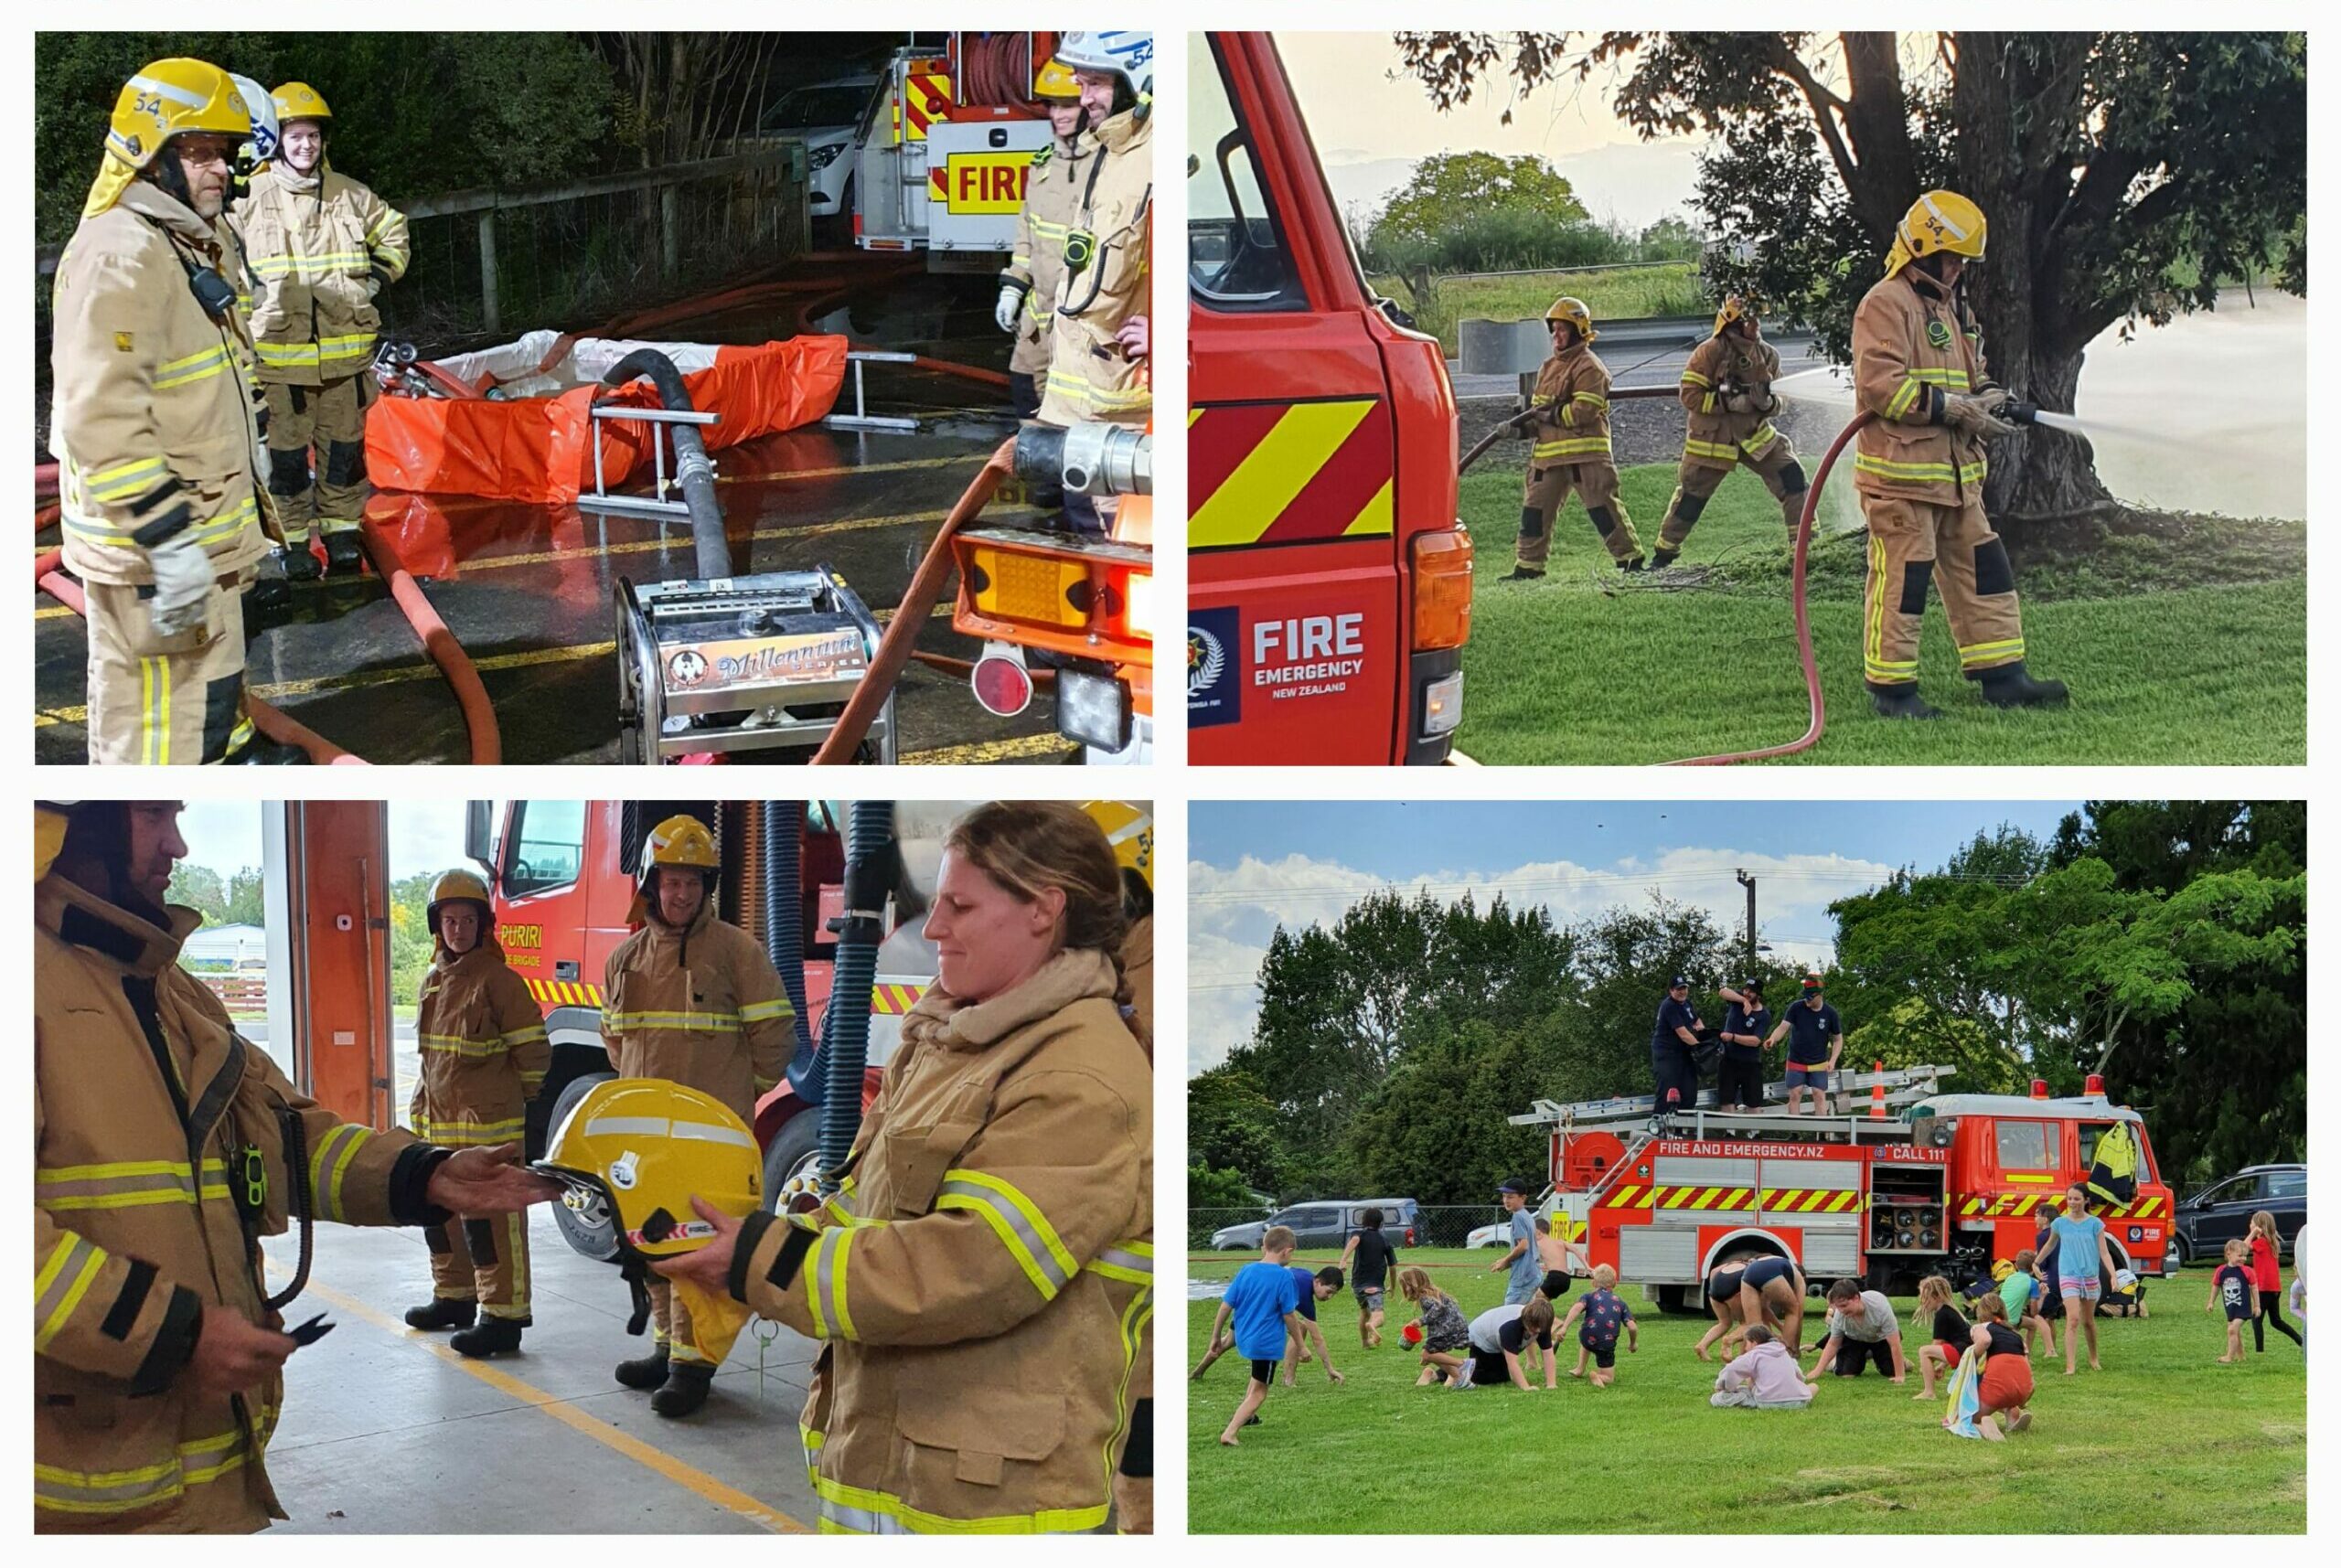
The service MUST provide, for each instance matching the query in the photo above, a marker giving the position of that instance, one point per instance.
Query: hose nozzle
(2021, 413)
(1089, 458)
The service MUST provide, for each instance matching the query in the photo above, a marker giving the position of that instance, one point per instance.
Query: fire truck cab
(1928, 1183)
(1328, 590)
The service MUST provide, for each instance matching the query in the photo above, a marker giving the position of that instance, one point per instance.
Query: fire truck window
(2024, 1145)
(547, 846)
(1237, 257)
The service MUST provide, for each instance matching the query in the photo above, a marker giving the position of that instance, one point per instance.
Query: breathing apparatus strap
(633, 1271)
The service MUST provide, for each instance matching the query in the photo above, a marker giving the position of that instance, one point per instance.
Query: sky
(426, 835)
(1256, 863)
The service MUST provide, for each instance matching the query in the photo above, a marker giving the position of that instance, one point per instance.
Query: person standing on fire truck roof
(155, 430)
(984, 1276)
(321, 246)
(1918, 468)
(1028, 288)
(1674, 1069)
(1816, 1039)
(162, 1147)
(694, 1000)
(1099, 317)
(484, 1058)
(1571, 450)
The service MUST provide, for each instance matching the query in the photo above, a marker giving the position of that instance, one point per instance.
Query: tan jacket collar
(74, 914)
(150, 201)
(944, 1020)
(1125, 132)
(661, 932)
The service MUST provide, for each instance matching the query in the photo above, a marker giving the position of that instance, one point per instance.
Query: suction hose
(869, 876)
(784, 836)
(693, 472)
(902, 633)
(1820, 717)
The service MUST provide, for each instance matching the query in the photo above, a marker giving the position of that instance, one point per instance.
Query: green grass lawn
(2162, 1441)
(1612, 293)
(2176, 653)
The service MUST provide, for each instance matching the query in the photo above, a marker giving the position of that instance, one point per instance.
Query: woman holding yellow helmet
(983, 1276)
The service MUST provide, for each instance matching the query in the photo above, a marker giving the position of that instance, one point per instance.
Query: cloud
(1232, 912)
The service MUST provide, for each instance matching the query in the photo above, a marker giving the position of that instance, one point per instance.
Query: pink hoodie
(1769, 1372)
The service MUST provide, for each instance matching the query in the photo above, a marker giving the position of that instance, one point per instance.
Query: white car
(1495, 1235)
(826, 117)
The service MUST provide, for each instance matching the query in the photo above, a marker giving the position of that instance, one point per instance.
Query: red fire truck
(1929, 1183)
(945, 147)
(1328, 592)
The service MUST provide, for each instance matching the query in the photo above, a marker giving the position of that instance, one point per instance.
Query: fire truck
(945, 146)
(1927, 1182)
(1329, 589)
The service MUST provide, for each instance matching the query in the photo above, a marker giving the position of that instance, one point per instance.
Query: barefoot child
(1552, 1254)
(1764, 1377)
(2232, 1288)
(2003, 1392)
(1368, 1257)
(1604, 1313)
(2022, 1293)
(1504, 1338)
(1309, 1289)
(1447, 1338)
(1264, 1307)
(1949, 1333)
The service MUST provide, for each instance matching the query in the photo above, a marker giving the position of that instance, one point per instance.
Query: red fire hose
(925, 589)
(1803, 616)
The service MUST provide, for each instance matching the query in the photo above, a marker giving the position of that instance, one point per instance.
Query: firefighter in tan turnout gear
(320, 247)
(984, 1279)
(1727, 390)
(154, 426)
(164, 1147)
(694, 1000)
(1918, 468)
(1028, 288)
(484, 1058)
(1100, 322)
(1570, 450)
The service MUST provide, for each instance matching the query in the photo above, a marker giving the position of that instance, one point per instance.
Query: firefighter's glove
(1011, 305)
(183, 577)
(1972, 416)
(1740, 402)
(1995, 399)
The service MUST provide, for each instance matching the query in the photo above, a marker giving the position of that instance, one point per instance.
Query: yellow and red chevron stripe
(1730, 1200)
(2008, 1205)
(1288, 473)
(894, 1000)
(565, 993)
(927, 97)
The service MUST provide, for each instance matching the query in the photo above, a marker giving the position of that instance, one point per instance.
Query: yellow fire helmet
(168, 99)
(1056, 85)
(299, 100)
(682, 840)
(1735, 307)
(1938, 220)
(635, 1151)
(459, 884)
(1576, 312)
(1129, 828)
(52, 819)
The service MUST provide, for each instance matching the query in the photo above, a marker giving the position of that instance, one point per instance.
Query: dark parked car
(2223, 1211)
(1325, 1224)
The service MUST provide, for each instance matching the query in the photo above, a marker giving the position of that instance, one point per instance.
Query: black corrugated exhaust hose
(784, 836)
(693, 472)
(870, 876)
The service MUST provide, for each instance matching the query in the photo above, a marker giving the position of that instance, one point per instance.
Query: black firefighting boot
(1523, 574)
(644, 1372)
(300, 562)
(1663, 558)
(260, 751)
(1633, 564)
(269, 594)
(444, 1312)
(2009, 685)
(1900, 700)
(345, 552)
(685, 1389)
(488, 1336)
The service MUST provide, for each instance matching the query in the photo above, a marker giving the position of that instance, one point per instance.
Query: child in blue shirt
(1264, 1303)
(1606, 1315)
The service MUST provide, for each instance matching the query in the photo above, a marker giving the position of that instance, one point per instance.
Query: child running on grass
(1370, 1257)
(2268, 1279)
(2231, 1289)
(1604, 1313)
(1262, 1304)
(1948, 1333)
(1309, 1289)
(1552, 1254)
(2003, 1388)
(1447, 1338)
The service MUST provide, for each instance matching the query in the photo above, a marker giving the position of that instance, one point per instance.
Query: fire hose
(870, 870)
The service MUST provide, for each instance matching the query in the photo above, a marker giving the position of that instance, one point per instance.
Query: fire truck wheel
(797, 1146)
(591, 1237)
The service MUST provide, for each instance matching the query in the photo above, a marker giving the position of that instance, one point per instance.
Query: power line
(1507, 885)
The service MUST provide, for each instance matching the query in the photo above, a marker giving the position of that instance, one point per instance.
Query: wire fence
(1441, 1225)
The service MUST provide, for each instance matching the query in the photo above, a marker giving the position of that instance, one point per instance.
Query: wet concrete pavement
(527, 590)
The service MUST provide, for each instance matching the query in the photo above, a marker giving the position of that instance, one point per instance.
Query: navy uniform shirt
(1810, 1031)
(1738, 1020)
(1672, 1015)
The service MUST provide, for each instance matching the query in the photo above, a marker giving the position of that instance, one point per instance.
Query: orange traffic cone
(1877, 1092)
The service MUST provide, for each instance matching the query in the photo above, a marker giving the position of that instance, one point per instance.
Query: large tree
(2126, 176)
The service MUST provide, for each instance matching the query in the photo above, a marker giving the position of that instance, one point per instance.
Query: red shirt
(2265, 1274)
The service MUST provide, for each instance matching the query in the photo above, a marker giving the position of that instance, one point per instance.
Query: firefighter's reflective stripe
(709, 1023)
(61, 1284)
(1294, 472)
(1716, 451)
(825, 1298)
(330, 1162)
(1575, 446)
(1755, 445)
(1132, 1330)
(459, 1046)
(1131, 1261)
(325, 350)
(1973, 654)
(1600, 403)
(1887, 468)
(207, 533)
(194, 367)
(1076, 388)
(456, 1132)
(125, 480)
(757, 1012)
(1875, 666)
(858, 1511)
(308, 268)
(200, 1460)
(1022, 1229)
(128, 1185)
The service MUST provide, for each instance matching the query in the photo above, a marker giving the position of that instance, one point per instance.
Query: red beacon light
(2041, 1088)
(2096, 1086)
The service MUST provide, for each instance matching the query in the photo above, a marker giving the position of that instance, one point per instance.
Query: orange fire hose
(924, 591)
(462, 674)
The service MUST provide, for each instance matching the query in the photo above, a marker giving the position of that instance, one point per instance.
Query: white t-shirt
(1487, 1331)
(1872, 1319)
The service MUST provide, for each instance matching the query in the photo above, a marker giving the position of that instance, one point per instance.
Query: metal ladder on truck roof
(1636, 1117)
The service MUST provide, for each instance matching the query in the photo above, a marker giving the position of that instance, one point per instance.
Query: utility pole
(1749, 883)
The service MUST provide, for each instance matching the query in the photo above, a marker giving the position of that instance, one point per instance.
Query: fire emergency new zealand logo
(1214, 683)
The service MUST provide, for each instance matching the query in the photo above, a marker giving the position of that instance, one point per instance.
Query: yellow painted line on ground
(1014, 749)
(689, 1478)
